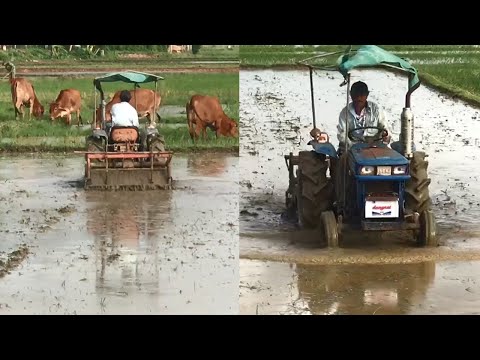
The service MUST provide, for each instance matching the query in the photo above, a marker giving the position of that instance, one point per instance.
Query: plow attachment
(128, 170)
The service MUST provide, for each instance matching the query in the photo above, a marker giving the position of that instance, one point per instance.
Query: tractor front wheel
(427, 236)
(330, 228)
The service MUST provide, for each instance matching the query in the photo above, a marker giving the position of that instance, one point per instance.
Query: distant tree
(196, 48)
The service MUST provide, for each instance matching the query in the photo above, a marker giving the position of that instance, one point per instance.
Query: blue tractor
(371, 186)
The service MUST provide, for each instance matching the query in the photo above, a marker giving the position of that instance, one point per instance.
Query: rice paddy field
(453, 69)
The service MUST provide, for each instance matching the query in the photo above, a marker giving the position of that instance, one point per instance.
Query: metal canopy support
(313, 98)
(345, 167)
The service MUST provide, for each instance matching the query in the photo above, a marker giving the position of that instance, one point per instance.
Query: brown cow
(142, 100)
(23, 94)
(206, 111)
(67, 102)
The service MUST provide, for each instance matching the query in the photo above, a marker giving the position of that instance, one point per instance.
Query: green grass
(20, 137)
(178, 139)
(449, 68)
(174, 120)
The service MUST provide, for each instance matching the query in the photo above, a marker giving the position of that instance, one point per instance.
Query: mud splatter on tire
(315, 190)
(417, 197)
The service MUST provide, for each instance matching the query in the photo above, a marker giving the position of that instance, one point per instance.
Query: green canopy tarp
(371, 55)
(133, 77)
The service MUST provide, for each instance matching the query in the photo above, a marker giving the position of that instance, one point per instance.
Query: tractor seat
(124, 134)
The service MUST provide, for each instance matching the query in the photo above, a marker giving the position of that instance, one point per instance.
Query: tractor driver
(361, 113)
(124, 114)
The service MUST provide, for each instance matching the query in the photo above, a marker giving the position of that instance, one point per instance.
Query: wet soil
(276, 117)
(12, 259)
(96, 252)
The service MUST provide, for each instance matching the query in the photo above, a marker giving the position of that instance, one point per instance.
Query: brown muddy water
(276, 117)
(93, 252)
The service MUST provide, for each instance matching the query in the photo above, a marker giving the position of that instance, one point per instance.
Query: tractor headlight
(367, 170)
(399, 170)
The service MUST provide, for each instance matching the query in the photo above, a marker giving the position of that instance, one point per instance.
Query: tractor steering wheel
(381, 132)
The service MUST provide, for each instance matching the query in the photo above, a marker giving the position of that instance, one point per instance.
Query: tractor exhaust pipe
(406, 136)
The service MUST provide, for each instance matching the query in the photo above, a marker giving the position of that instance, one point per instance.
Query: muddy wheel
(427, 236)
(330, 231)
(291, 197)
(417, 197)
(291, 207)
(95, 145)
(157, 145)
(314, 190)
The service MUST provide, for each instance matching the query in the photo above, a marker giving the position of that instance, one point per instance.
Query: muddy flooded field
(270, 288)
(65, 250)
(276, 117)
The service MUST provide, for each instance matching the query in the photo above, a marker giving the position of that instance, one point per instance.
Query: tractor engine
(378, 176)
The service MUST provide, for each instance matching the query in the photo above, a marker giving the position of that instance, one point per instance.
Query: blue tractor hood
(378, 155)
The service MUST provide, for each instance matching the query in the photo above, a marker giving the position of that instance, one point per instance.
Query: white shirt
(371, 115)
(124, 114)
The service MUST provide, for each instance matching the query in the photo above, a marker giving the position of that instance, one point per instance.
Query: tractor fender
(324, 148)
(152, 131)
(99, 133)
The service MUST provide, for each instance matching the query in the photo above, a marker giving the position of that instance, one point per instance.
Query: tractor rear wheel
(427, 236)
(330, 229)
(314, 190)
(417, 197)
(156, 145)
(95, 145)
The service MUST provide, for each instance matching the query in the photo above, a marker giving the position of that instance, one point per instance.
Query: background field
(453, 69)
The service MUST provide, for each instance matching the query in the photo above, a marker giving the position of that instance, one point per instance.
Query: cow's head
(38, 110)
(229, 127)
(56, 111)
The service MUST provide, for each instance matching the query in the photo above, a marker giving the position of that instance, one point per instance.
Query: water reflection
(364, 289)
(209, 166)
(127, 228)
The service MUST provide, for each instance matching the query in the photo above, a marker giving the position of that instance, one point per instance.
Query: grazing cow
(206, 111)
(67, 102)
(142, 100)
(23, 94)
